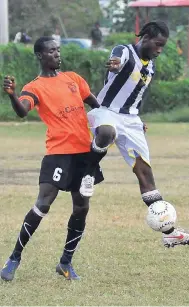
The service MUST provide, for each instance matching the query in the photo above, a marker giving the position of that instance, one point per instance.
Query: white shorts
(130, 138)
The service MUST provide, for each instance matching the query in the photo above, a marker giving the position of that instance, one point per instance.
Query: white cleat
(177, 237)
(87, 186)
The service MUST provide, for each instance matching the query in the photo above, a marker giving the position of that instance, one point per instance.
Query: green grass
(120, 260)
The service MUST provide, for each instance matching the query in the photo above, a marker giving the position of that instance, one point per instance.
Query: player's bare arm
(9, 86)
(92, 101)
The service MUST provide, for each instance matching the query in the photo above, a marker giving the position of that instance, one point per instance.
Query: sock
(75, 231)
(169, 231)
(151, 197)
(30, 224)
(94, 157)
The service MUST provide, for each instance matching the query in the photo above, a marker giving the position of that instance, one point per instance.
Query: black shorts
(66, 171)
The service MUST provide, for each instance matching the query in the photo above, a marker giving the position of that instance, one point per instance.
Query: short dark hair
(39, 44)
(153, 28)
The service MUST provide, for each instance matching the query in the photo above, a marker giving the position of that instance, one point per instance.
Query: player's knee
(105, 135)
(80, 211)
(43, 205)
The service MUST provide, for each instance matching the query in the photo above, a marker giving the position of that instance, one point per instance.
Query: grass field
(121, 261)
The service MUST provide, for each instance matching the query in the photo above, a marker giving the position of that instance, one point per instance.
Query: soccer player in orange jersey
(59, 99)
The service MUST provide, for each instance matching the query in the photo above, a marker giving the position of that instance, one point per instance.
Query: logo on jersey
(72, 87)
(64, 112)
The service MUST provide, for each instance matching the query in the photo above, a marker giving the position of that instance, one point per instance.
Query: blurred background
(87, 31)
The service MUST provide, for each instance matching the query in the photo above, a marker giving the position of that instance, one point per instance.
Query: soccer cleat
(67, 271)
(9, 269)
(177, 237)
(87, 186)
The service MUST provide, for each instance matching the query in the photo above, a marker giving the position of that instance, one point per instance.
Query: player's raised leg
(47, 194)
(102, 125)
(150, 195)
(76, 226)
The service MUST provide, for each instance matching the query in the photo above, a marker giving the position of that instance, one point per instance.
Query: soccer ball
(161, 216)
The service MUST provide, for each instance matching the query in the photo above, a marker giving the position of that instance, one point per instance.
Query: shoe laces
(88, 181)
(180, 229)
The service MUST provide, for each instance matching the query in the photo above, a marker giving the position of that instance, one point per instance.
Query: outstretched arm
(21, 108)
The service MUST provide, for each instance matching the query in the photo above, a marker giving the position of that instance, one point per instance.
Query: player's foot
(9, 269)
(87, 186)
(67, 271)
(177, 237)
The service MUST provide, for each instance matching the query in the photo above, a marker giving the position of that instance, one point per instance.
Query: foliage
(119, 16)
(164, 96)
(176, 115)
(119, 39)
(74, 18)
(169, 66)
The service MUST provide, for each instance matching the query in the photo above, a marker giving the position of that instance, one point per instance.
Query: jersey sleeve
(29, 93)
(121, 52)
(84, 88)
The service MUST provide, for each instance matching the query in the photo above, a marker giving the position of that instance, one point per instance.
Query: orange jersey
(59, 102)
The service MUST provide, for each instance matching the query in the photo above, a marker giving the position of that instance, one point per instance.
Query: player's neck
(139, 51)
(48, 73)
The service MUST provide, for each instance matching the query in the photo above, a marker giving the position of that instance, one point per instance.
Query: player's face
(152, 47)
(50, 57)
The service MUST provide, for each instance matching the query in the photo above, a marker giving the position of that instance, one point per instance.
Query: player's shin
(30, 224)
(95, 156)
(76, 226)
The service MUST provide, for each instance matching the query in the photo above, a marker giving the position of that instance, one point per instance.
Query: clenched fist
(9, 85)
(114, 64)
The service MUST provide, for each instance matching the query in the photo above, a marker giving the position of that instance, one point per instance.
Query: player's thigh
(100, 117)
(132, 143)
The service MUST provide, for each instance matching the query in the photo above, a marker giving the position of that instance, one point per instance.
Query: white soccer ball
(161, 216)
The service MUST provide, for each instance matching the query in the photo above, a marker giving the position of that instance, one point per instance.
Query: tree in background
(73, 17)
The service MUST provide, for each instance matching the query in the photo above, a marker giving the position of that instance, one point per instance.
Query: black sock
(75, 232)
(169, 231)
(93, 160)
(30, 224)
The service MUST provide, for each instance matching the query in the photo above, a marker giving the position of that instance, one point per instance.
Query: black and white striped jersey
(123, 91)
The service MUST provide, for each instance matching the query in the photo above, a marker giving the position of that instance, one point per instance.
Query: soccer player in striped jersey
(130, 71)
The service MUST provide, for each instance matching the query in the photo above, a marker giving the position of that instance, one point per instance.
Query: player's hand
(9, 85)
(145, 128)
(114, 64)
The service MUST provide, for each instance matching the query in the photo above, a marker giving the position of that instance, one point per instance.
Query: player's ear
(38, 55)
(146, 38)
